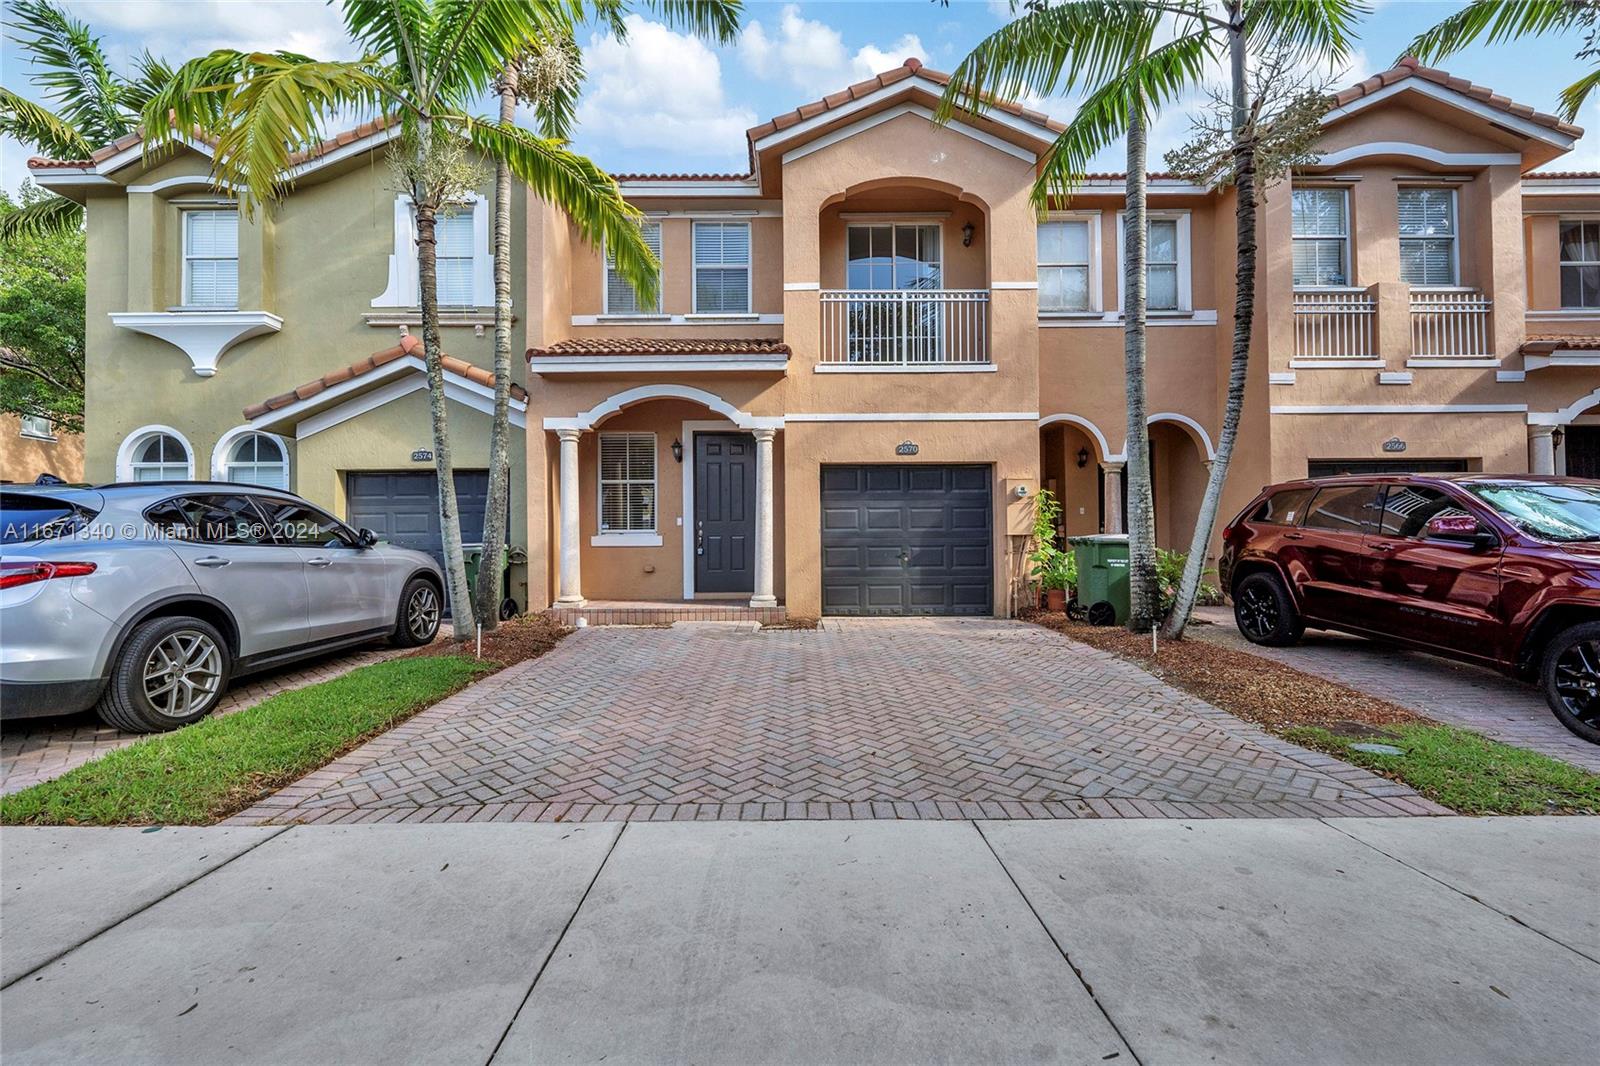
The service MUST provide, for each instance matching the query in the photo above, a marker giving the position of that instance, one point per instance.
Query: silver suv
(145, 600)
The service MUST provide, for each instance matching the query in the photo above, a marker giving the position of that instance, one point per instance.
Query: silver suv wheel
(422, 614)
(183, 674)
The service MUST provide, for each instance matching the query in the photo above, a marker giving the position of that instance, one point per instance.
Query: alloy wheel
(1577, 681)
(422, 614)
(1257, 612)
(183, 673)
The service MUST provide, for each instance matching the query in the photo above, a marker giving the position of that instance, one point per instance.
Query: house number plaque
(422, 455)
(1394, 444)
(906, 447)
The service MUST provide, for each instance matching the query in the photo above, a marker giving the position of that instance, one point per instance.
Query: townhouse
(869, 353)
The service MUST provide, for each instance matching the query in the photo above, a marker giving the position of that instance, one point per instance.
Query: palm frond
(72, 69)
(574, 184)
(47, 217)
(1319, 29)
(469, 42)
(393, 28)
(35, 125)
(1574, 96)
(715, 20)
(150, 73)
(1493, 21)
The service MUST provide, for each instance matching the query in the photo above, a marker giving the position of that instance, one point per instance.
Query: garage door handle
(319, 561)
(212, 561)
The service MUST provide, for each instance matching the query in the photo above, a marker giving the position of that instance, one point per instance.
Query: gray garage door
(403, 508)
(907, 540)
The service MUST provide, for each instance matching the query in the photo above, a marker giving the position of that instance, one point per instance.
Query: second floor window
(211, 259)
(1428, 237)
(722, 268)
(1580, 263)
(38, 426)
(1064, 265)
(627, 482)
(453, 238)
(1321, 237)
(1161, 262)
(621, 299)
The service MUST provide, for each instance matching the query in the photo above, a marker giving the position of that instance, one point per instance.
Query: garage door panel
(880, 596)
(881, 557)
(842, 479)
(974, 519)
(884, 518)
(930, 479)
(882, 479)
(841, 518)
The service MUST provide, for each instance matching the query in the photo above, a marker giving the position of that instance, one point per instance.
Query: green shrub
(1053, 567)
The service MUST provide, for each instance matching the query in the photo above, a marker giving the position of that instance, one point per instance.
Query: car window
(26, 517)
(1558, 511)
(303, 526)
(223, 518)
(1408, 508)
(1283, 508)
(1344, 509)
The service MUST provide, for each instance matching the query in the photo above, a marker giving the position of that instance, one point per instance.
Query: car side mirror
(1460, 529)
(366, 537)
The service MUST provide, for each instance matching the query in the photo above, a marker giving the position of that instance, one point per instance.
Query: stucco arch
(613, 404)
(1193, 428)
(125, 451)
(908, 181)
(1568, 413)
(1088, 427)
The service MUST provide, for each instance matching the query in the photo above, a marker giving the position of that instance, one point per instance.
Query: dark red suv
(1503, 571)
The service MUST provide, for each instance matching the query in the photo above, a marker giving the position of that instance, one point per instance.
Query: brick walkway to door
(865, 719)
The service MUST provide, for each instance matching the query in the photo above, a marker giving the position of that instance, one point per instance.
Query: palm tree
(1494, 21)
(425, 65)
(94, 105)
(1107, 43)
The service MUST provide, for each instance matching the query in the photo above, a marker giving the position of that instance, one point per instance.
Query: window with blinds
(257, 459)
(453, 237)
(1428, 236)
(211, 258)
(1161, 265)
(722, 268)
(1321, 237)
(621, 299)
(627, 482)
(1064, 262)
(160, 457)
(1580, 263)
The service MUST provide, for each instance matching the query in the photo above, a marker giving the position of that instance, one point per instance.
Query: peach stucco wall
(24, 458)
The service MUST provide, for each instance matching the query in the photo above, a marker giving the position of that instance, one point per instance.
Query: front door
(1583, 451)
(724, 512)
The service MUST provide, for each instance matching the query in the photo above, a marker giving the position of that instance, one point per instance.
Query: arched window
(257, 459)
(161, 457)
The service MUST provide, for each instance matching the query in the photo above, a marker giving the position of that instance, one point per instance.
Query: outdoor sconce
(1083, 458)
(966, 235)
(1556, 437)
(677, 449)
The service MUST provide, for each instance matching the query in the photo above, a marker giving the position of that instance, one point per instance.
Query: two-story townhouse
(870, 352)
(282, 345)
(31, 445)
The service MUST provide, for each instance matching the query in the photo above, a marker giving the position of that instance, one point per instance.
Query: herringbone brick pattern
(919, 719)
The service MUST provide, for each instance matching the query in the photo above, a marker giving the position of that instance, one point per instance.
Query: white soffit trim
(1457, 100)
(1419, 151)
(187, 181)
(1400, 409)
(1117, 186)
(675, 188)
(888, 115)
(399, 381)
(1533, 186)
(650, 364)
(918, 416)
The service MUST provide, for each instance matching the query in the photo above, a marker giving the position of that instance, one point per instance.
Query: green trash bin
(1102, 577)
(473, 557)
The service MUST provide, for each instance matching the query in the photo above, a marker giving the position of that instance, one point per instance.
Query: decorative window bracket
(201, 335)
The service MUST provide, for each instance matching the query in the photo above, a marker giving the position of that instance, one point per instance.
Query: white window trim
(403, 288)
(224, 447)
(186, 214)
(749, 266)
(49, 432)
(133, 441)
(626, 538)
(661, 279)
(1562, 264)
(1345, 241)
(1096, 286)
(1185, 261)
(1455, 236)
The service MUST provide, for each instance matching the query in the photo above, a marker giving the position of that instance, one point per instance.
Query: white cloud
(812, 55)
(660, 90)
(180, 31)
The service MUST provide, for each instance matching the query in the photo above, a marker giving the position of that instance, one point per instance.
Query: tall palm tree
(1494, 21)
(93, 104)
(1107, 43)
(426, 64)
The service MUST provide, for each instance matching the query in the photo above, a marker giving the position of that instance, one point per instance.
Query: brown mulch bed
(1259, 690)
(793, 623)
(525, 637)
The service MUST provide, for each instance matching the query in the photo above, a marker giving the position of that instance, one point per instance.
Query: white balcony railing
(905, 327)
(1450, 325)
(1335, 325)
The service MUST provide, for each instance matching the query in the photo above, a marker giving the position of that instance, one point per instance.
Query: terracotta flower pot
(1055, 599)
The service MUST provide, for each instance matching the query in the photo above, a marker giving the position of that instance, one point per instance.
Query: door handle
(211, 561)
(319, 561)
(1294, 536)
(1385, 546)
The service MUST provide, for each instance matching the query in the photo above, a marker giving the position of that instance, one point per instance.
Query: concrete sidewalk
(1268, 940)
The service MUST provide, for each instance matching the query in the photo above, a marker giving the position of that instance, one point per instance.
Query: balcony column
(763, 585)
(1113, 516)
(1541, 450)
(571, 578)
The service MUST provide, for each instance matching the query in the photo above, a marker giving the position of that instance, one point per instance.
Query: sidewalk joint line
(1060, 947)
(1462, 892)
(64, 952)
(557, 945)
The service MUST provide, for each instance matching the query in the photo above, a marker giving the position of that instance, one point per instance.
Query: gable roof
(1409, 68)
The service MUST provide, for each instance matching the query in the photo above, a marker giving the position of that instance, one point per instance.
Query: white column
(571, 579)
(763, 591)
(1541, 450)
(1113, 515)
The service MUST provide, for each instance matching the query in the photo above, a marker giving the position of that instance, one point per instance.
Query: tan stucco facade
(25, 455)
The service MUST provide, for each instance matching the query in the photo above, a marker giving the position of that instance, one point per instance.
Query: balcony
(1335, 325)
(905, 329)
(1365, 327)
(1450, 325)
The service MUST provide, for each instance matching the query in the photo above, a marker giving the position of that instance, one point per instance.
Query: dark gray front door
(724, 512)
(403, 508)
(1583, 451)
(907, 540)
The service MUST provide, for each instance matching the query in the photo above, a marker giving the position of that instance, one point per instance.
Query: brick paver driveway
(908, 719)
(1468, 696)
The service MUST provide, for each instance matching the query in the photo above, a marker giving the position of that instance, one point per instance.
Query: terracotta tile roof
(408, 346)
(1552, 343)
(339, 140)
(602, 346)
(1411, 68)
(681, 177)
(1557, 175)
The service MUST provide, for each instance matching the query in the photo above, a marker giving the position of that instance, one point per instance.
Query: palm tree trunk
(455, 570)
(494, 518)
(1244, 307)
(1144, 595)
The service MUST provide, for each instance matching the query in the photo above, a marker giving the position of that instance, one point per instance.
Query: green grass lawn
(1466, 771)
(206, 771)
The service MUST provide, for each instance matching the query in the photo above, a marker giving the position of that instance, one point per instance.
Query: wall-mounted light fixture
(966, 235)
(677, 449)
(1083, 458)
(1556, 437)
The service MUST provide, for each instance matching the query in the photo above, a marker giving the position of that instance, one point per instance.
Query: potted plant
(1055, 570)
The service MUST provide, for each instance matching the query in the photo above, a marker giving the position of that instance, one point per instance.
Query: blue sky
(666, 102)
